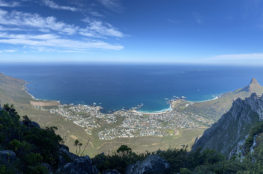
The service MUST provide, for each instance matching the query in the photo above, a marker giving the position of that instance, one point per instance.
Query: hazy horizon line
(121, 63)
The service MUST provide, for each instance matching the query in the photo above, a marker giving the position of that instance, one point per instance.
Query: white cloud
(8, 4)
(258, 56)
(113, 5)
(95, 13)
(99, 28)
(19, 19)
(233, 59)
(48, 32)
(55, 41)
(7, 51)
(2, 28)
(53, 5)
(94, 28)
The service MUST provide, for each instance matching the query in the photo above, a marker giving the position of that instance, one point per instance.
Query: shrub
(32, 145)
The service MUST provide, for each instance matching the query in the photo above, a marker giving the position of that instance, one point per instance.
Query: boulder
(111, 172)
(153, 164)
(65, 156)
(80, 165)
(30, 124)
(7, 156)
(48, 167)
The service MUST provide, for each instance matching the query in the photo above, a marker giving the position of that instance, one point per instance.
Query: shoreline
(201, 101)
(24, 88)
(162, 111)
(37, 99)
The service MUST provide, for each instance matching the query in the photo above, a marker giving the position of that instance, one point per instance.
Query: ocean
(124, 86)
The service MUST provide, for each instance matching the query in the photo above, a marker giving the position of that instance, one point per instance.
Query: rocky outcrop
(30, 124)
(70, 163)
(65, 156)
(111, 172)
(233, 127)
(253, 87)
(151, 165)
(81, 165)
(48, 167)
(7, 156)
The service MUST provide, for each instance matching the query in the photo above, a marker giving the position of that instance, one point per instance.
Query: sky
(132, 31)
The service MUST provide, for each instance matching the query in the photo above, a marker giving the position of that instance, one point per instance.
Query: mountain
(231, 134)
(253, 87)
(214, 109)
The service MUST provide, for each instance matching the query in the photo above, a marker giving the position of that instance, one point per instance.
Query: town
(129, 123)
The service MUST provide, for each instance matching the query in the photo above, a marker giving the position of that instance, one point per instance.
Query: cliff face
(232, 129)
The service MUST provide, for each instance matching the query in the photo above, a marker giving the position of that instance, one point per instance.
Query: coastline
(162, 111)
(26, 90)
(39, 102)
(201, 101)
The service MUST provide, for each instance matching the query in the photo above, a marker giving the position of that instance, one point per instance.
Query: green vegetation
(33, 146)
(183, 162)
(37, 148)
(257, 129)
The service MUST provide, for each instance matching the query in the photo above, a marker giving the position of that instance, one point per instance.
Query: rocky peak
(253, 86)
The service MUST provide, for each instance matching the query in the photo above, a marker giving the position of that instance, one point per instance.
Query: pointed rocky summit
(254, 82)
(253, 86)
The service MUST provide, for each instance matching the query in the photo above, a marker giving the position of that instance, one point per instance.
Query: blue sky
(153, 31)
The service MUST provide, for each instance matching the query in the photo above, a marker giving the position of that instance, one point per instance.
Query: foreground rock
(7, 156)
(73, 164)
(151, 165)
(111, 172)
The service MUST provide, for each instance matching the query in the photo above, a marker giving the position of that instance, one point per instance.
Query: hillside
(214, 109)
(25, 148)
(234, 133)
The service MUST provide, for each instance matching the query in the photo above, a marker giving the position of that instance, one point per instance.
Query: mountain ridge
(214, 109)
(232, 128)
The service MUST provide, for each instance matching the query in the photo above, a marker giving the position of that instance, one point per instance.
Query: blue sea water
(125, 86)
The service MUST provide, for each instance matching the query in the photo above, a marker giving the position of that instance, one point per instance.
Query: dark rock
(80, 165)
(30, 124)
(7, 156)
(151, 165)
(64, 147)
(48, 167)
(111, 172)
(65, 156)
